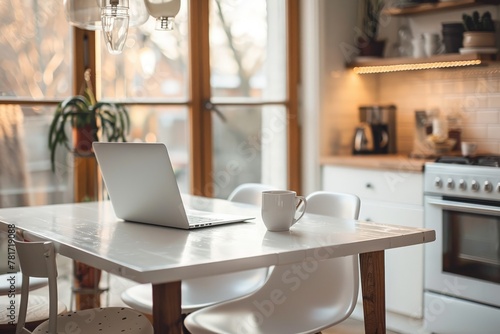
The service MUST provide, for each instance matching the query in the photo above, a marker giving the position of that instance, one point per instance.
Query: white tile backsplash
(473, 93)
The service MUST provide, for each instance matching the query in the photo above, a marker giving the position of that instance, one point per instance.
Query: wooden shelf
(438, 6)
(383, 65)
(409, 60)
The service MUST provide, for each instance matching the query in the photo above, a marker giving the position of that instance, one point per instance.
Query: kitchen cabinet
(394, 197)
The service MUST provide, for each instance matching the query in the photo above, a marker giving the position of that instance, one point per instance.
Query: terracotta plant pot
(479, 39)
(83, 138)
(371, 48)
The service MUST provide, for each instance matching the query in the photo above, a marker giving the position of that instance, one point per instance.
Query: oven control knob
(498, 187)
(438, 183)
(450, 184)
(474, 185)
(462, 185)
(488, 187)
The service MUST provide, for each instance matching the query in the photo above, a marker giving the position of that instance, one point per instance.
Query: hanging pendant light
(84, 14)
(114, 17)
(115, 20)
(164, 11)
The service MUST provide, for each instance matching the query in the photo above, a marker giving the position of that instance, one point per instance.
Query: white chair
(10, 290)
(8, 280)
(38, 259)
(324, 294)
(205, 291)
(250, 193)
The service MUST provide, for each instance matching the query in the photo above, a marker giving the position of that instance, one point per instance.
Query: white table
(91, 233)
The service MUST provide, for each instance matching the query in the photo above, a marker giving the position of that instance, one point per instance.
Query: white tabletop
(91, 233)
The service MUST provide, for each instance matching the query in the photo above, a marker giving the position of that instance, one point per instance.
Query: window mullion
(293, 64)
(84, 57)
(200, 120)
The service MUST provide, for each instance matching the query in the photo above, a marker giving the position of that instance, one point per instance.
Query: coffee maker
(376, 134)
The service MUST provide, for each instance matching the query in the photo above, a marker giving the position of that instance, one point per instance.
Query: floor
(118, 284)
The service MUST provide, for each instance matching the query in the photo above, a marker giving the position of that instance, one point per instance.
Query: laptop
(142, 187)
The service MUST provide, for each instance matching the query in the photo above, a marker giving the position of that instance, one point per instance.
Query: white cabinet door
(404, 277)
(381, 185)
(394, 198)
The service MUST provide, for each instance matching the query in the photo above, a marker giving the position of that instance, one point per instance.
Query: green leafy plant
(476, 22)
(371, 18)
(95, 120)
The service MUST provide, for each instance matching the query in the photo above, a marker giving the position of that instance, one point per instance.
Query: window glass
(167, 125)
(249, 145)
(153, 63)
(26, 176)
(247, 48)
(35, 50)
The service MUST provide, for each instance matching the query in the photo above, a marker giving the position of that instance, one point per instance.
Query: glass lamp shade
(164, 12)
(86, 14)
(115, 28)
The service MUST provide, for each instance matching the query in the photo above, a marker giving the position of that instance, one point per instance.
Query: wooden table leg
(167, 316)
(373, 289)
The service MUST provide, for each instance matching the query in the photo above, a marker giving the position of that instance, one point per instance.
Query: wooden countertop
(391, 161)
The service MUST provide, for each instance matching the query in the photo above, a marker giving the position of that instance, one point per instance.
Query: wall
(325, 25)
(474, 93)
(342, 90)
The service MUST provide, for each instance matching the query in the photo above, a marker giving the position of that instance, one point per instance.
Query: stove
(462, 267)
(468, 177)
(483, 160)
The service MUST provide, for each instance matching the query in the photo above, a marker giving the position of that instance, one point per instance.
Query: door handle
(464, 207)
(212, 107)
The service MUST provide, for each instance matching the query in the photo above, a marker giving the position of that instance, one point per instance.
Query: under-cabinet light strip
(413, 67)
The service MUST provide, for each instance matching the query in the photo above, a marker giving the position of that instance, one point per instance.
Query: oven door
(464, 261)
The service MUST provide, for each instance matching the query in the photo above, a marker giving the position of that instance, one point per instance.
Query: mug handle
(301, 200)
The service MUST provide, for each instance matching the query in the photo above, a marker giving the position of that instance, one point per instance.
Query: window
(219, 91)
(35, 72)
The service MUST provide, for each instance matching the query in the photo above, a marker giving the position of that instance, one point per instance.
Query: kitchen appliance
(462, 267)
(376, 134)
(363, 139)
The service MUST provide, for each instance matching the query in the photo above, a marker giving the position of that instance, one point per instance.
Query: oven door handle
(464, 207)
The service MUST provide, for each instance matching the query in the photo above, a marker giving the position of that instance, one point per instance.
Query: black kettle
(363, 142)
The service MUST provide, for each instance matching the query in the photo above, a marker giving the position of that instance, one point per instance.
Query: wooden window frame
(199, 118)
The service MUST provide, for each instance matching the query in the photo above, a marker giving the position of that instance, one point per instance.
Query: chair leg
(184, 329)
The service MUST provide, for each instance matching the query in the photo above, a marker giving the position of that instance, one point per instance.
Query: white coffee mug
(279, 208)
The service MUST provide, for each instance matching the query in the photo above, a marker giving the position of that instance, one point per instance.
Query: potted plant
(368, 43)
(89, 120)
(479, 30)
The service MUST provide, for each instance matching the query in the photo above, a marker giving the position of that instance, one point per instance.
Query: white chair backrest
(333, 204)
(37, 259)
(249, 193)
